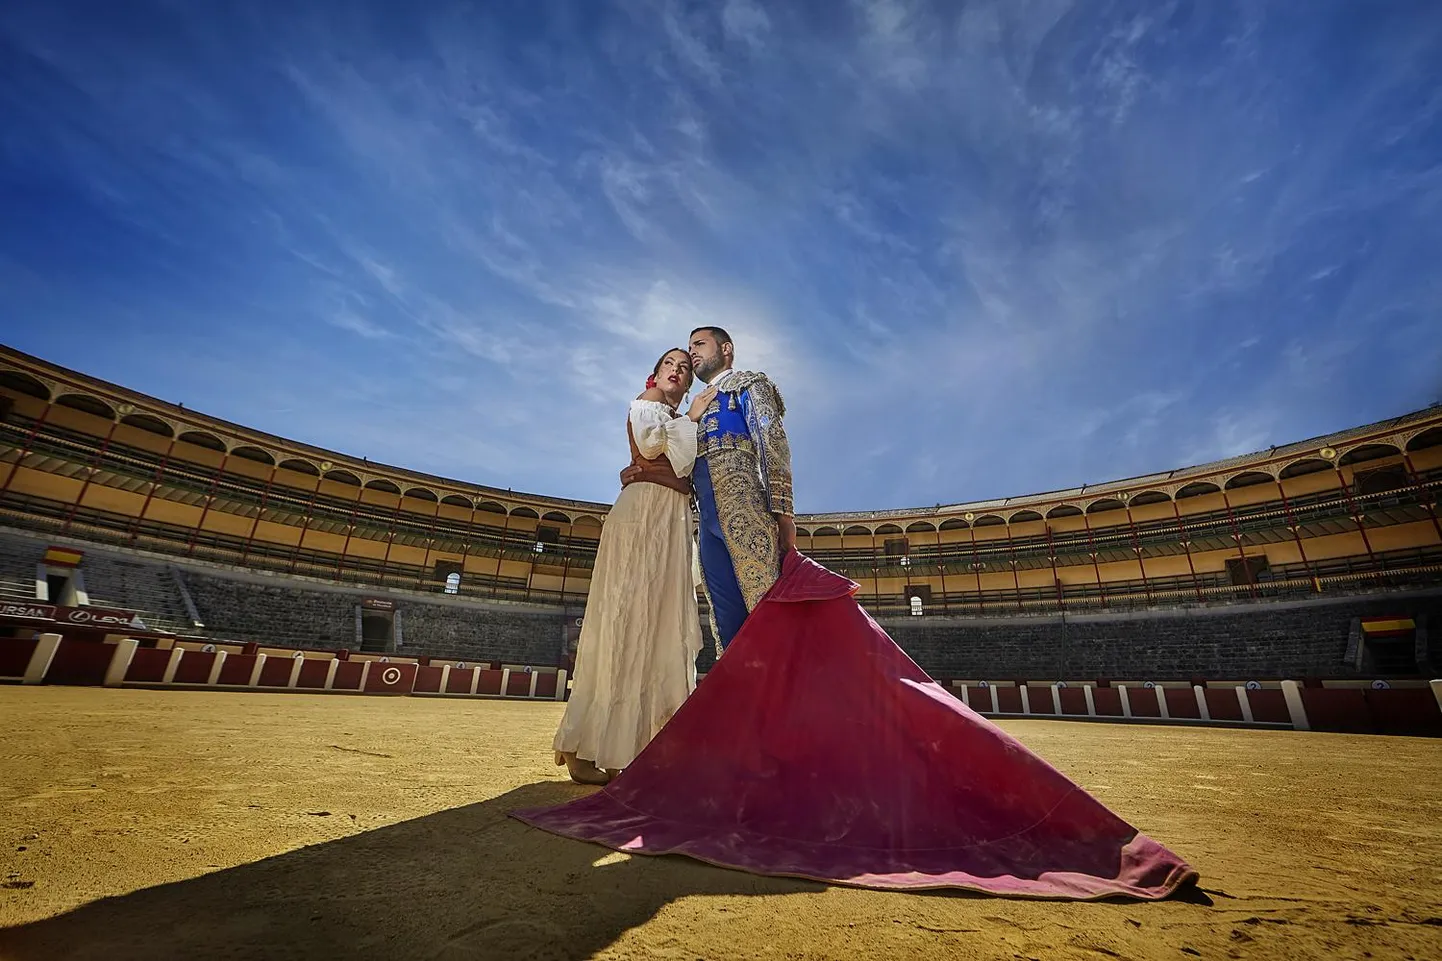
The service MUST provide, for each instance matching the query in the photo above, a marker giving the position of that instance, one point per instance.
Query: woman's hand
(702, 401)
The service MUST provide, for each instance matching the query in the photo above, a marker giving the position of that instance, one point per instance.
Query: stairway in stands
(18, 557)
(134, 585)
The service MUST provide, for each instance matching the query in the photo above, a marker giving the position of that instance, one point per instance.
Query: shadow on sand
(464, 883)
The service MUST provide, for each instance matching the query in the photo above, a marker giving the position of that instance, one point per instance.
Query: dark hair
(674, 350)
(722, 338)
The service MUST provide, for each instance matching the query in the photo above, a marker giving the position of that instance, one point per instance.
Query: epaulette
(748, 379)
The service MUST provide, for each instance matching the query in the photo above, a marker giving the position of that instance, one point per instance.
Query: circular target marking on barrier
(208, 649)
(460, 665)
(1254, 685)
(1380, 685)
(1150, 685)
(298, 654)
(391, 675)
(385, 660)
(983, 684)
(578, 622)
(1061, 684)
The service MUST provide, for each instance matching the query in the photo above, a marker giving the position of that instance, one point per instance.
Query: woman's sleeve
(657, 432)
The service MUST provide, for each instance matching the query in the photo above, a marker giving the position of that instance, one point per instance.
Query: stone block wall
(1265, 640)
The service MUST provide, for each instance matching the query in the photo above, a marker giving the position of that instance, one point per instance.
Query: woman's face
(674, 374)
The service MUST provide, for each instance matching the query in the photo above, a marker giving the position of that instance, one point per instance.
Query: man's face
(707, 356)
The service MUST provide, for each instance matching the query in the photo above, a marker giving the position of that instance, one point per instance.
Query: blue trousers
(728, 606)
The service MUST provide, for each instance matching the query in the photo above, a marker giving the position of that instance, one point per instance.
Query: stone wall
(1265, 640)
(272, 614)
(472, 634)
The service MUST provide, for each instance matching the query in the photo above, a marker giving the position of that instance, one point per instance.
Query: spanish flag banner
(1387, 626)
(63, 556)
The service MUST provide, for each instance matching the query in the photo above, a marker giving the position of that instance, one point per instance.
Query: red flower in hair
(651, 382)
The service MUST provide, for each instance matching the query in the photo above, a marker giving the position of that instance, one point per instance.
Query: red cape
(817, 749)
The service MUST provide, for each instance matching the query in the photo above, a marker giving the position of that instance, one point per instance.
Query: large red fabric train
(817, 749)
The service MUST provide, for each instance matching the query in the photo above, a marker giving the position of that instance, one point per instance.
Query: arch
(1149, 497)
(989, 520)
(802, 532)
(1306, 465)
(525, 512)
(145, 422)
(856, 530)
(1381, 480)
(1366, 452)
(1104, 504)
(1250, 478)
(953, 524)
(343, 477)
(1063, 510)
(1024, 516)
(381, 484)
(85, 402)
(255, 454)
(1431, 437)
(422, 494)
(300, 466)
(201, 438)
(921, 527)
(827, 532)
(23, 383)
(490, 507)
(456, 500)
(888, 529)
(556, 517)
(1197, 489)
(588, 520)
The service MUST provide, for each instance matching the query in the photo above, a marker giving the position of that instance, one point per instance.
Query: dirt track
(171, 824)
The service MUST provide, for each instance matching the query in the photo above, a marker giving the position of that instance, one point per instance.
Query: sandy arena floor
(203, 825)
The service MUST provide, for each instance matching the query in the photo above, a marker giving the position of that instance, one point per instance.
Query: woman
(636, 658)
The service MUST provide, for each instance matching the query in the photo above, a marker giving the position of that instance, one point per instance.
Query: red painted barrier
(1342, 710)
(391, 678)
(1405, 711)
(312, 673)
(148, 666)
(276, 672)
(1009, 700)
(490, 682)
(1108, 701)
(1073, 701)
(428, 679)
(520, 684)
(15, 655)
(1143, 701)
(979, 698)
(460, 680)
(1223, 705)
(195, 667)
(1268, 704)
(1038, 698)
(546, 684)
(237, 669)
(1182, 702)
(347, 676)
(80, 662)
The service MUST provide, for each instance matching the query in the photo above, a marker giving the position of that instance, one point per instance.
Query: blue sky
(985, 249)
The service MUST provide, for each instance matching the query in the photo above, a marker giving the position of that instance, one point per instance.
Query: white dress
(636, 658)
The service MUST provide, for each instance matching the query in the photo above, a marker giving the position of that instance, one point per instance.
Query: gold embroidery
(747, 526)
(767, 411)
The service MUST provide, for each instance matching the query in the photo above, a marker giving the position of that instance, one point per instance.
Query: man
(742, 479)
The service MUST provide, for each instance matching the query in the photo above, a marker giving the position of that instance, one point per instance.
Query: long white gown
(636, 657)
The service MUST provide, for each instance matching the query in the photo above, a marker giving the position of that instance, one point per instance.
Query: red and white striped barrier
(121, 661)
(1407, 706)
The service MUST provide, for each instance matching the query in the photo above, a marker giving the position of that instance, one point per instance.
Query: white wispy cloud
(1014, 245)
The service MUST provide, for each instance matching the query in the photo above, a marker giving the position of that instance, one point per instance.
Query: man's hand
(786, 533)
(630, 474)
